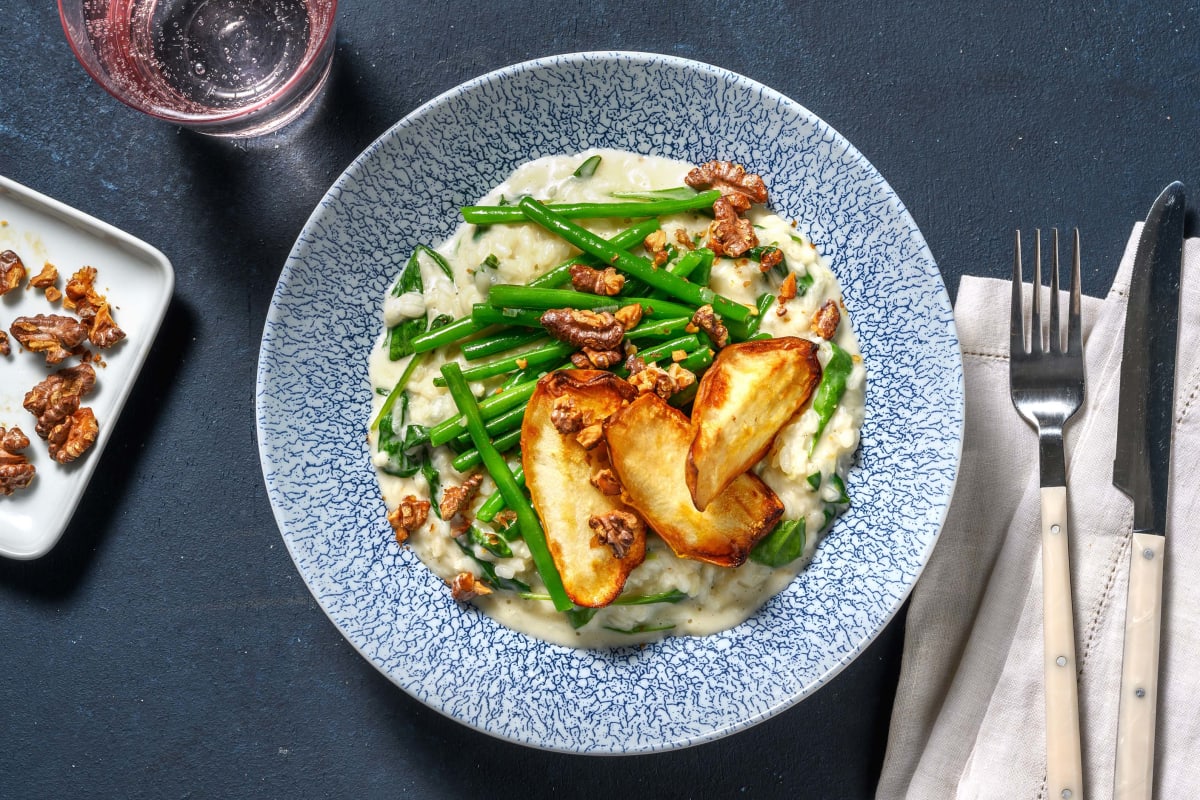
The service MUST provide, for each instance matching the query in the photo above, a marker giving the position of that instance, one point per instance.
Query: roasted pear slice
(648, 444)
(748, 394)
(562, 451)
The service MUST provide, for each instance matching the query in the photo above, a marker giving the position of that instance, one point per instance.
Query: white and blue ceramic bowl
(314, 400)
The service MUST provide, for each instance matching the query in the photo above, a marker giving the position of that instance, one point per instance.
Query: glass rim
(302, 74)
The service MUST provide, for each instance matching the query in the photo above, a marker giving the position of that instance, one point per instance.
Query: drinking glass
(221, 67)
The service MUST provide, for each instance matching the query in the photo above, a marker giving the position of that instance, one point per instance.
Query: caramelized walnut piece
(607, 281)
(15, 470)
(12, 271)
(58, 396)
(53, 294)
(46, 278)
(733, 181)
(52, 335)
(587, 358)
(684, 239)
(91, 306)
(457, 499)
(730, 234)
(617, 529)
(662, 382)
(584, 328)
(656, 245)
(71, 438)
(606, 481)
(5, 347)
(825, 320)
(706, 320)
(787, 291)
(466, 586)
(504, 520)
(629, 316)
(565, 415)
(770, 259)
(591, 435)
(408, 516)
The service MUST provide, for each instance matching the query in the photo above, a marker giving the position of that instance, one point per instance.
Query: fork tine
(1054, 333)
(1016, 341)
(1074, 322)
(1035, 317)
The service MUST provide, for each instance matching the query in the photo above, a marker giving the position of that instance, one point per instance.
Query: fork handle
(1064, 768)
(1134, 778)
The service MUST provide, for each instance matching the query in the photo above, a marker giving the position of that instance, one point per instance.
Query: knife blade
(1141, 469)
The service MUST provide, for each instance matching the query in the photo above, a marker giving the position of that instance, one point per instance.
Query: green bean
(484, 315)
(499, 343)
(542, 355)
(830, 389)
(743, 331)
(514, 496)
(674, 193)
(633, 265)
(493, 215)
(658, 327)
(466, 326)
(502, 423)
(471, 458)
(687, 264)
(494, 504)
(513, 297)
(783, 545)
(489, 407)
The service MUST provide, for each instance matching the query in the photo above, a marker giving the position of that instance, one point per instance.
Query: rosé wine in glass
(223, 67)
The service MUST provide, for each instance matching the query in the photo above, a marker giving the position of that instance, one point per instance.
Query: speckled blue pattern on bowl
(314, 401)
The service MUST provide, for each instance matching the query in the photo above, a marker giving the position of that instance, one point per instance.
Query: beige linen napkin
(968, 721)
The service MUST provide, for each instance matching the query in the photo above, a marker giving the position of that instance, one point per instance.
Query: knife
(1141, 469)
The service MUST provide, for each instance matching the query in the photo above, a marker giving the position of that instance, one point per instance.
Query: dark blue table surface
(167, 647)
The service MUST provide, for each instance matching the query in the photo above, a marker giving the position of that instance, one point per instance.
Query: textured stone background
(168, 648)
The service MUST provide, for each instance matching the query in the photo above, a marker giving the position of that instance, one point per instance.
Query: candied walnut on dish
(606, 481)
(71, 438)
(599, 330)
(565, 415)
(588, 358)
(617, 529)
(787, 291)
(15, 470)
(408, 516)
(629, 316)
(46, 278)
(53, 335)
(92, 307)
(729, 234)
(5, 347)
(656, 245)
(504, 520)
(591, 435)
(607, 281)
(457, 499)
(58, 396)
(825, 320)
(466, 586)
(740, 187)
(662, 382)
(706, 319)
(12, 271)
(771, 258)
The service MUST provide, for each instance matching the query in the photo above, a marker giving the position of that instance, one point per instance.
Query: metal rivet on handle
(1140, 692)
(1061, 661)
(1147, 554)
(1055, 529)
(1066, 793)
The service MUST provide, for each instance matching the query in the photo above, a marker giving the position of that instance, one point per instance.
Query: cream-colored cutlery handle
(1064, 764)
(1139, 670)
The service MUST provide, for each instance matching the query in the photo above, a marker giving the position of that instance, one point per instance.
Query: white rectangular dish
(137, 280)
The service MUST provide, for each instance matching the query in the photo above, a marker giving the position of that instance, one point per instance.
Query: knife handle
(1139, 670)
(1064, 768)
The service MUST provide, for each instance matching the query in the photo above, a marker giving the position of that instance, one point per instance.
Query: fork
(1046, 383)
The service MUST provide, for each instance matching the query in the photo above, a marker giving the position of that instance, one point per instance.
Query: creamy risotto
(695, 598)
